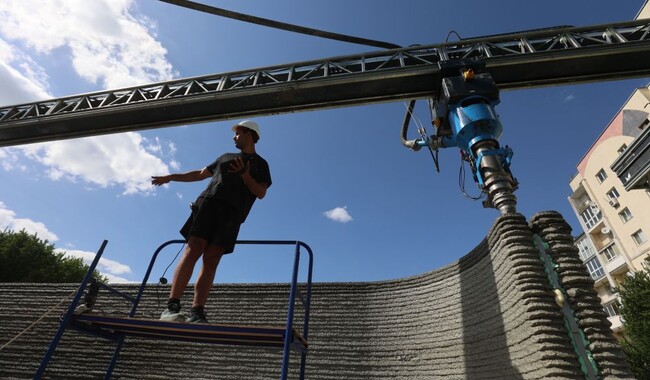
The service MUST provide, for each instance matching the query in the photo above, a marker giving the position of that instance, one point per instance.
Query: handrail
(292, 294)
(244, 242)
(288, 335)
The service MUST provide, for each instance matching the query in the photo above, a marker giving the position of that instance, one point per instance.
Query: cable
(421, 130)
(450, 33)
(36, 321)
(411, 144)
(435, 159)
(162, 279)
(279, 25)
(423, 133)
(461, 181)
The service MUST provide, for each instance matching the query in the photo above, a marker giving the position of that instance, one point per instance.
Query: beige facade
(645, 11)
(616, 222)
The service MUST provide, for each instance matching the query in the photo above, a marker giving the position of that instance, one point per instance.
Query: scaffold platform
(117, 327)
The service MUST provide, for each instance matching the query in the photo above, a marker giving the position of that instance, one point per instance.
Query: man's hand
(160, 180)
(239, 167)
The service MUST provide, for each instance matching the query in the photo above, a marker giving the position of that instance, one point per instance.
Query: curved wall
(490, 315)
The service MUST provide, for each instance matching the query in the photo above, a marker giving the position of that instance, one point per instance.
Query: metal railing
(294, 293)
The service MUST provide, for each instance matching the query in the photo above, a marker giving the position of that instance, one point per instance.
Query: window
(625, 215)
(590, 216)
(595, 269)
(613, 193)
(586, 249)
(601, 176)
(622, 149)
(639, 237)
(644, 124)
(611, 309)
(610, 253)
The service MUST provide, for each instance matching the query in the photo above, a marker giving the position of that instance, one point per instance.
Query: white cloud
(153, 147)
(339, 214)
(108, 44)
(9, 221)
(107, 265)
(172, 148)
(122, 160)
(116, 279)
(569, 98)
(109, 268)
(113, 160)
(10, 160)
(23, 80)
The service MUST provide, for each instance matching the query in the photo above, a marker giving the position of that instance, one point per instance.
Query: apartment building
(611, 197)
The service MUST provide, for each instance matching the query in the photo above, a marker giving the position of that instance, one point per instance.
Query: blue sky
(342, 182)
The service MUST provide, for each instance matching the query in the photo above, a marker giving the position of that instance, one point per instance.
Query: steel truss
(528, 59)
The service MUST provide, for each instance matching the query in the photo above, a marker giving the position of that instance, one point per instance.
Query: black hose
(411, 144)
(279, 25)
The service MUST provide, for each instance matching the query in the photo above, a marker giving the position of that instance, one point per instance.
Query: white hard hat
(249, 125)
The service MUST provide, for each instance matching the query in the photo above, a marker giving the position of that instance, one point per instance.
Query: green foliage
(27, 258)
(635, 311)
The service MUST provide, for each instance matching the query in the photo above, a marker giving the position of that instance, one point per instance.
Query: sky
(369, 208)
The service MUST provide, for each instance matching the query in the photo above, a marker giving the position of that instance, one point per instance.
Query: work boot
(197, 315)
(173, 312)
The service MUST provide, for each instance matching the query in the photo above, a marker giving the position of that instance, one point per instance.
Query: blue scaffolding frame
(117, 328)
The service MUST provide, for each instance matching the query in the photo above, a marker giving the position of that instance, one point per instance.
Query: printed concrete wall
(490, 315)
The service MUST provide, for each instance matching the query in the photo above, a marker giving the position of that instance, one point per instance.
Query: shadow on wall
(485, 345)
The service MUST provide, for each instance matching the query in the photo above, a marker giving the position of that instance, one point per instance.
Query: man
(211, 231)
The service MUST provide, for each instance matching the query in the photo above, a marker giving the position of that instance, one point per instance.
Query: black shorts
(215, 221)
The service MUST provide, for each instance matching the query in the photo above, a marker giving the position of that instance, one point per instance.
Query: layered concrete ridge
(490, 315)
(584, 300)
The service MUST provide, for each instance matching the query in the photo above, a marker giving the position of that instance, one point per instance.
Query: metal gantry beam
(528, 59)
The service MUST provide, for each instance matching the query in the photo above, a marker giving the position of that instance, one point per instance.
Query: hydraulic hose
(280, 25)
(411, 144)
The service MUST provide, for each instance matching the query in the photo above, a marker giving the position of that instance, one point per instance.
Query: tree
(27, 258)
(635, 311)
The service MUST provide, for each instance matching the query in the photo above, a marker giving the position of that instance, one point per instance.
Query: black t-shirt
(229, 187)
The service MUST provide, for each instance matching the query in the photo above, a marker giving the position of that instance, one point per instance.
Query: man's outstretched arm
(194, 175)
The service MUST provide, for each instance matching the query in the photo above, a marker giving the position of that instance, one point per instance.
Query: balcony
(601, 235)
(616, 322)
(633, 166)
(592, 218)
(616, 266)
(606, 295)
(602, 280)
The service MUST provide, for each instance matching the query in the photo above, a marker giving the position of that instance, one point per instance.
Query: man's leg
(195, 247)
(204, 282)
(182, 274)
